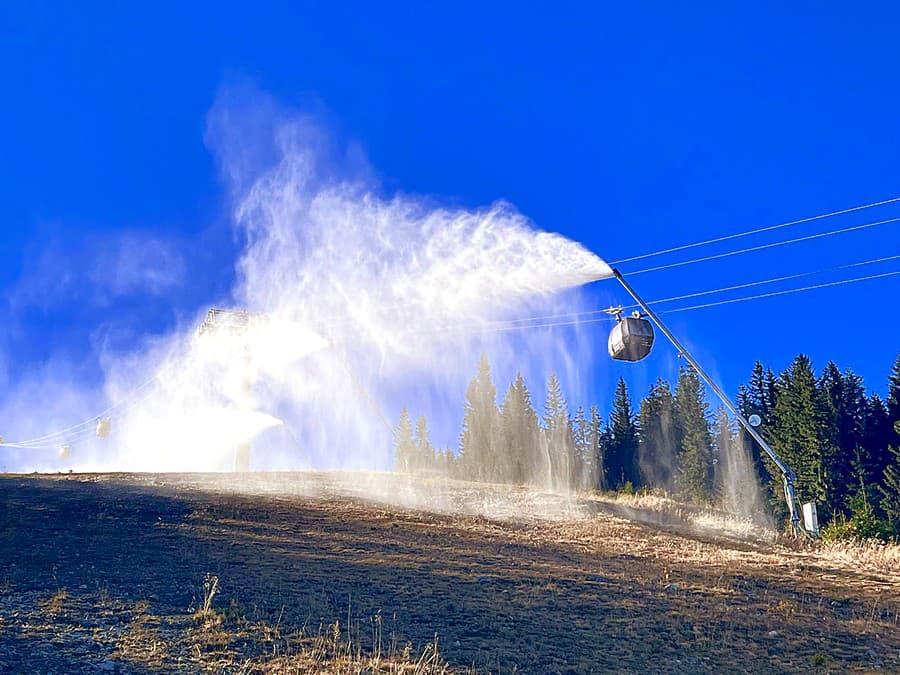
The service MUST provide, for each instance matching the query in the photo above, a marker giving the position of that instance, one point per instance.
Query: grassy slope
(106, 572)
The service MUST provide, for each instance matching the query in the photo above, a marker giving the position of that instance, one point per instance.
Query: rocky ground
(105, 573)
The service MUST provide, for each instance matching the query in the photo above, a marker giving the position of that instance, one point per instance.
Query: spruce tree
(801, 434)
(893, 399)
(404, 444)
(846, 402)
(694, 474)
(558, 436)
(878, 435)
(598, 443)
(759, 398)
(723, 446)
(425, 459)
(660, 437)
(519, 430)
(481, 424)
(530, 430)
(890, 493)
(585, 470)
(622, 444)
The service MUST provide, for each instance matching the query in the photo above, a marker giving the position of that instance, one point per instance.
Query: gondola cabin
(631, 339)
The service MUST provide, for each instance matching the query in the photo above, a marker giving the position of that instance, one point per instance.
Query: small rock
(772, 633)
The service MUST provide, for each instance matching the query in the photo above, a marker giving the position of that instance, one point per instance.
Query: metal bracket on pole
(788, 475)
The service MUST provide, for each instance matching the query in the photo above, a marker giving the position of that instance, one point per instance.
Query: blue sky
(630, 127)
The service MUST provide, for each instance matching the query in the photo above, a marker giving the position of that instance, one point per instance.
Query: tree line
(843, 443)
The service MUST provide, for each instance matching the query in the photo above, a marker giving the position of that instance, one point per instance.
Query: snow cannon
(630, 340)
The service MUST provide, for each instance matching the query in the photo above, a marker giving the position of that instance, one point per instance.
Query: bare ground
(104, 573)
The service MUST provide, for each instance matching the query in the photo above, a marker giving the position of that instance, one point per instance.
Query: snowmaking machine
(631, 339)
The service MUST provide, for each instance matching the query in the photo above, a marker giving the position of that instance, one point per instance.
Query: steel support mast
(789, 478)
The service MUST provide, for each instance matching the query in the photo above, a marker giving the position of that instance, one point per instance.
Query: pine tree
(890, 493)
(622, 444)
(878, 435)
(759, 398)
(585, 469)
(845, 397)
(723, 446)
(558, 436)
(519, 431)
(801, 434)
(694, 475)
(481, 424)
(660, 437)
(404, 444)
(598, 443)
(425, 459)
(893, 399)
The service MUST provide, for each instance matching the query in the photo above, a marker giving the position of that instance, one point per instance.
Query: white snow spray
(368, 302)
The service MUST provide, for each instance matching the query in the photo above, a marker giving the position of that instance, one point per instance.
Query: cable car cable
(756, 231)
(84, 426)
(503, 329)
(81, 431)
(761, 247)
(785, 292)
(708, 292)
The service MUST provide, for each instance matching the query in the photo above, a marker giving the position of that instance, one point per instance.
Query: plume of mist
(737, 478)
(363, 303)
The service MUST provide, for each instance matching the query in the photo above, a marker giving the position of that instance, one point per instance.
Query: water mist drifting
(366, 296)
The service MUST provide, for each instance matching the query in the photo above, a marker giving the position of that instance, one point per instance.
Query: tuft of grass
(335, 651)
(205, 615)
(55, 604)
(867, 553)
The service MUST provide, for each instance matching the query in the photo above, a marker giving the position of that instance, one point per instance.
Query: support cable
(761, 247)
(756, 231)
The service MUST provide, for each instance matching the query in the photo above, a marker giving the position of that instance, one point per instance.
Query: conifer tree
(481, 423)
(759, 398)
(585, 469)
(848, 408)
(801, 433)
(878, 435)
(694, 476)
(530, 429)
(893, 399)
(519, 431)
(425, 455)
(404, 444)
(622, 446)
(598, 443)
(660, 437)
(558, 436)
(890, 493)
(723, 446)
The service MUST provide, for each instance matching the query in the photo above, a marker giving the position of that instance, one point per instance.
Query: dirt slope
(103, 573)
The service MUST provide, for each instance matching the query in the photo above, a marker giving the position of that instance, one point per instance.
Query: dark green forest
(843, 443)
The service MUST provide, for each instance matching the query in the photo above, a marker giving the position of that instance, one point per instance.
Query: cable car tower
(632, 339)
(235, 323)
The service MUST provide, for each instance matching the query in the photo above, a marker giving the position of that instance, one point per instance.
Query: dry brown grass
(870, 554)
(56, 603)
(330, 651)
(584, 592)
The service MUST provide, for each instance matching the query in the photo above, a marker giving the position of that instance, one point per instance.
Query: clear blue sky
(627, 126)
